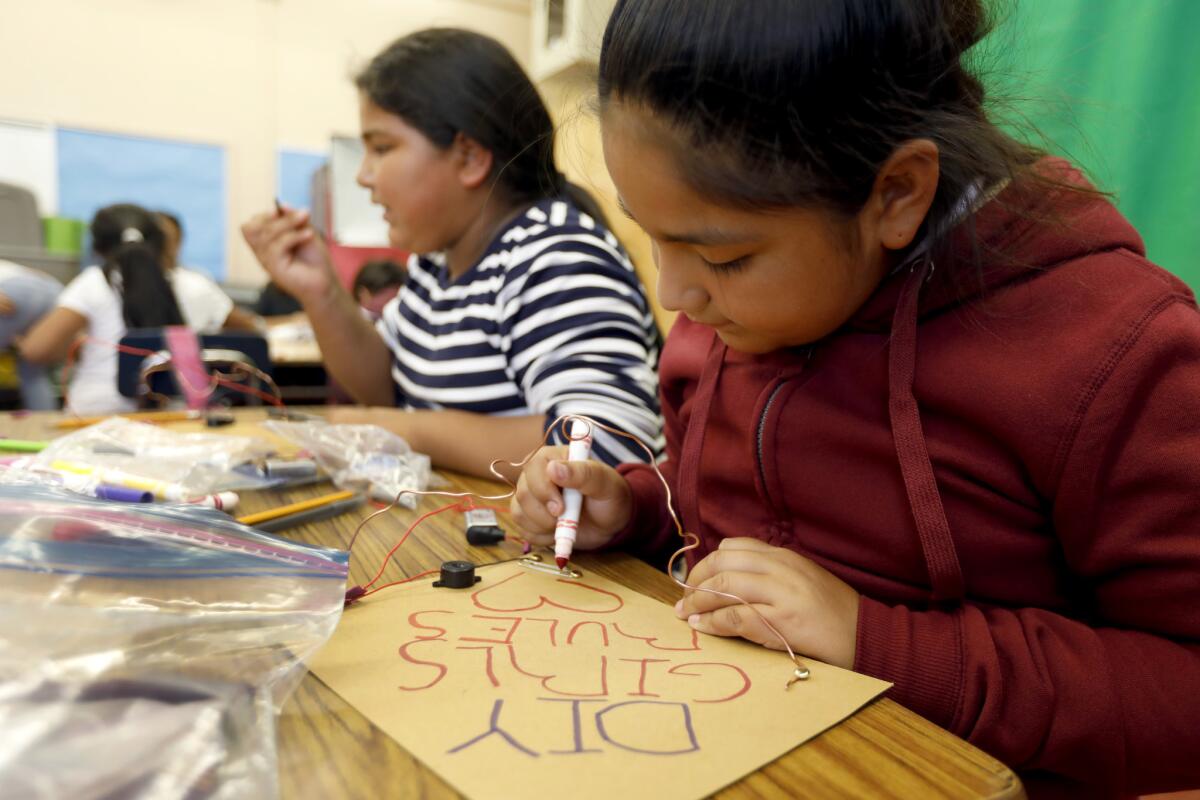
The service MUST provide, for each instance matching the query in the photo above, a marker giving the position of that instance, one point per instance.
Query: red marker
(579, 449)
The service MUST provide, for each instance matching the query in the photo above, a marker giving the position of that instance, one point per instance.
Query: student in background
(25, 296)
(928, 407)
(129, 290)
(275, 302)
(523, 305)
(377, 282)
(206, 307)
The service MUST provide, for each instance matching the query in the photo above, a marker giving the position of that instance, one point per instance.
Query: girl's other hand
(290, 251)
(7, 309)
(607, 501)
(814, 610)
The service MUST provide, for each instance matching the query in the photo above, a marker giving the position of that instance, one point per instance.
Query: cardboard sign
(531, 685)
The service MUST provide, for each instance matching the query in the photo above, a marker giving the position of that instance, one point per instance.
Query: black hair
(174, 220)
(130, 240)
(798, 103)
(379, 274)
(446, 81)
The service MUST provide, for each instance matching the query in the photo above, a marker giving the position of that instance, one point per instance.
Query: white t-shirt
(93, 387)
(203, 305)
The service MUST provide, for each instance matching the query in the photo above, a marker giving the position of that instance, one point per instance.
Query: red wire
(397, 583)
(362, 590)
(403, 538)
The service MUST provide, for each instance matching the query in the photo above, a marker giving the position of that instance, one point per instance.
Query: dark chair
(229, 352)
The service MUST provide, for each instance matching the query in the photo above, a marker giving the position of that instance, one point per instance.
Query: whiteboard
(357, 221)
(28, 158)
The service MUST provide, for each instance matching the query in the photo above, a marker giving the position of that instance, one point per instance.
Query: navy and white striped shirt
(552, 320)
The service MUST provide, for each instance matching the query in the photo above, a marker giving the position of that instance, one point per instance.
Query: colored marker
(221, 501)
(22, 446)
(121, 494)
(578, 449)
(163, 490)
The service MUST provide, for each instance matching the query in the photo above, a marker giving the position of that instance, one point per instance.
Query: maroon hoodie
(1005, 466)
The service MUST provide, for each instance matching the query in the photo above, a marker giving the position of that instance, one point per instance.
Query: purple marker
(122, 494)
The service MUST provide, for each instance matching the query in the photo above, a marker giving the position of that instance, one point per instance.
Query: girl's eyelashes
(732, 265)
(380, 149)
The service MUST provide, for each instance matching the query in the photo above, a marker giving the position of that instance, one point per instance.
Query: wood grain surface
(327, 749)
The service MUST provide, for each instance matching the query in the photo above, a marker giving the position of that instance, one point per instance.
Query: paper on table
(529, 685)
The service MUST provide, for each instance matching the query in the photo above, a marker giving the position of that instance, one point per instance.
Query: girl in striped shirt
(521, 306)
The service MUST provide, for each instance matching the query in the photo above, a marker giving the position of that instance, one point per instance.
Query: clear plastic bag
(145, 650)
(202, 462)
(362, 457)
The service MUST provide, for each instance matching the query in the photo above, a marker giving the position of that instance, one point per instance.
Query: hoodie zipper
(762, 427)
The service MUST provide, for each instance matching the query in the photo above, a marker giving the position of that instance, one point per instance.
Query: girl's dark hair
(379, 274)
(130, 241)
(446, 81)
(778, 103)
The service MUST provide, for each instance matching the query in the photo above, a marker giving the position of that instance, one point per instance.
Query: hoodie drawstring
(693, 439)
(941, 557)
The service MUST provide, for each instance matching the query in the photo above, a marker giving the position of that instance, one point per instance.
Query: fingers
(261, 230)
(591, 478)
(726, 558)
(726, 587)
(538, 501)
(282, 246)
(746, 543)
(738, 620)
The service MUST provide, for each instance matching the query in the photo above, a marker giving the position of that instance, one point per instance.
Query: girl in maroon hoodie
(928, 407)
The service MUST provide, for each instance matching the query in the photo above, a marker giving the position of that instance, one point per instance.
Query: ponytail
(131, 242)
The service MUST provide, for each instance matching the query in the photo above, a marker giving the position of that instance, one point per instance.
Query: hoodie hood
(1023, 231)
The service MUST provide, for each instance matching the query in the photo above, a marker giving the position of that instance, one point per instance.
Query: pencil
(311, 515)
(22, 446)
(283, 511)
(142, 416)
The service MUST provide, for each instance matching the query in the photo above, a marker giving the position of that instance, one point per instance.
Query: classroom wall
(1111, 85)
(249, 75)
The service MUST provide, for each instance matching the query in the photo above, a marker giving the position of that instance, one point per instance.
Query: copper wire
(800, 672)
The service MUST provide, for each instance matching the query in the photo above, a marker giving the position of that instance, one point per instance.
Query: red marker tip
(562, 562)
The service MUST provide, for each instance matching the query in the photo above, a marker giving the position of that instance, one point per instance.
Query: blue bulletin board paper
(184, 178)
(294, 173)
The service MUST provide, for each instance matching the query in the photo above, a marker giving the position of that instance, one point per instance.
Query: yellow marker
(115, 477)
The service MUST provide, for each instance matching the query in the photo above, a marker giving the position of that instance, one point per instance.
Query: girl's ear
(903, 192)
(473, 161)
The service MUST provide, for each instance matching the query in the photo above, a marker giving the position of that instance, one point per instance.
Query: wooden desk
(298, 364)
(327, 749)
(291, 341)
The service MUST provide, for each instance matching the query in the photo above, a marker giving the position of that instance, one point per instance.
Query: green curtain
(1114, 85)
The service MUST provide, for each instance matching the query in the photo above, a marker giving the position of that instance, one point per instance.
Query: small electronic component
(457, 575)
(218, 419)
(482, 527)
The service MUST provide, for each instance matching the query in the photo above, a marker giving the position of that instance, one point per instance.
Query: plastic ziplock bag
(362, 457)
(146, 650)
(203, 462)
